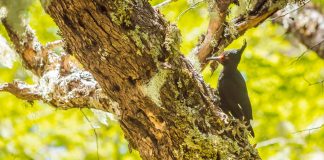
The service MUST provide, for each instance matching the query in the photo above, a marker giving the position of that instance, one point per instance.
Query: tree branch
(61, 82)
(52, 45)
(259, 12)
(28, 47)
(215, 29)
(77, 90)
(167, 111)
(22, 90)
(307, 25)
(164, 3)
(164, 107)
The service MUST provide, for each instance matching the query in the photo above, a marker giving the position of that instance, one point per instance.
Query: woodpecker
(234, 98)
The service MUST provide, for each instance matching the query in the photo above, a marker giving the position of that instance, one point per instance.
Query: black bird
(234, 98)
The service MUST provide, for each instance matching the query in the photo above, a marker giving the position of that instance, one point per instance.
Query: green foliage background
(284, 104)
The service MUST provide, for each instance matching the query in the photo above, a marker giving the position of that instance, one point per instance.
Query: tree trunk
(165, 109)
(163, 105)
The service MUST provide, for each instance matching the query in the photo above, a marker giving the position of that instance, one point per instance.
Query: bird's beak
(218, 58)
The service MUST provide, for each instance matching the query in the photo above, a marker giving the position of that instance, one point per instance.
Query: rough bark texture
(307, 25)
(166, 110)
(215, 29)
(138, 73)
(61, 82)
(256, 13)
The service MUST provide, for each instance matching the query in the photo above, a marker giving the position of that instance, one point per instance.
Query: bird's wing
(244, 99)
(235, 97)
(227, 91)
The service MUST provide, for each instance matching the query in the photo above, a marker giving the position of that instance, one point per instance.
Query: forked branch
(237, 27)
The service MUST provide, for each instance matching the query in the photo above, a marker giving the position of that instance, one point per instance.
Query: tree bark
(166, 110)
(163, 105)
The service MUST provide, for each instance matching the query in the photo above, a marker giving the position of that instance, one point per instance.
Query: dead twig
(94, 131)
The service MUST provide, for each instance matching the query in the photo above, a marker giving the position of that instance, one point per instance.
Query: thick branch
(167, 111)
(61, 83)
(29, 48)
(259, 12)
(164, 107)
(76, 90)
(307, 25)
(215, 29)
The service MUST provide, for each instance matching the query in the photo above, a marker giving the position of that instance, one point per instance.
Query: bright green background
(283, 102)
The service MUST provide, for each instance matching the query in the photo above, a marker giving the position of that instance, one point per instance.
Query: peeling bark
(126, 46)
(61, 82)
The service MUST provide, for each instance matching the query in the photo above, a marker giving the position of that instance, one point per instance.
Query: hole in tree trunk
(132, 81)
(116, 88)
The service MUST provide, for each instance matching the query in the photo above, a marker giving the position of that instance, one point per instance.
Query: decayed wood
(61, 83)
(166, 110)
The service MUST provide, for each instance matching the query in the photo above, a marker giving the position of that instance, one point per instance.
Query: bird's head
(230, 57)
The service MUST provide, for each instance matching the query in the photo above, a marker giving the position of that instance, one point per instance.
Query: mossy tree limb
(255, 14)
(164, 107)
(107, 37)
